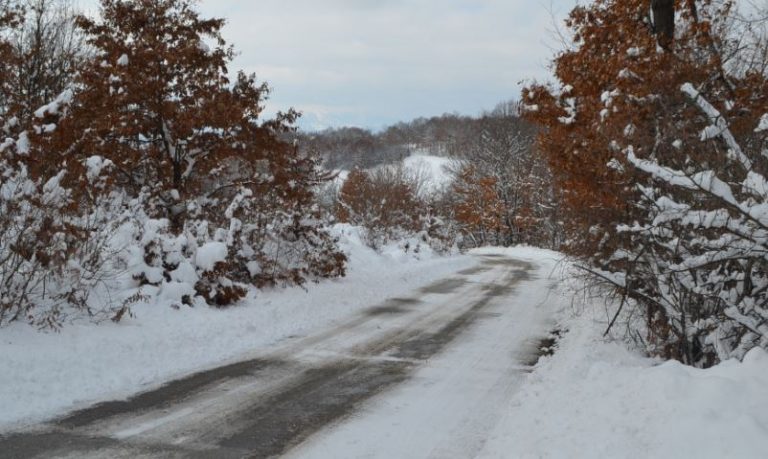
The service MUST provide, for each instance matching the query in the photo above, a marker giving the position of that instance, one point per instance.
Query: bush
(389, 204)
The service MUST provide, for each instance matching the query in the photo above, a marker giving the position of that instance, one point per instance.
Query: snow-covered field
(46, 374)
(431, 170)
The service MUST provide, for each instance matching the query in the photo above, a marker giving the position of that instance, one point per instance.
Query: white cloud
(390, 60)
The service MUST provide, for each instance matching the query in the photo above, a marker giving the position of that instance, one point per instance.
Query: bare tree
(49, 49)
(747, 39)
(9, 21)
(503, 151)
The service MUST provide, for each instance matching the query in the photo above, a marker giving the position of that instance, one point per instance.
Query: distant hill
(447, 136)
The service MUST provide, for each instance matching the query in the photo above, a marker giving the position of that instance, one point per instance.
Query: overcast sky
(371, 63)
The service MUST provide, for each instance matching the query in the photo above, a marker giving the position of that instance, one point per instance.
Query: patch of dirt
(475, 270)
(546, 346)
(385, 310)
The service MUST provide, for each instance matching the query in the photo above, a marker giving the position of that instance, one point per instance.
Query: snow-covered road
(426, 374)
(454, 400)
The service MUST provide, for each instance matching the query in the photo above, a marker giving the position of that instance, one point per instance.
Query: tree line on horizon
(449, 135)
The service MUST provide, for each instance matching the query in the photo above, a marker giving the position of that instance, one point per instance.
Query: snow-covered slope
(432, 170)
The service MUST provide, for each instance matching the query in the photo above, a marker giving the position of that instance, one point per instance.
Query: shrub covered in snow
(53, 253)
(699, 255)
(157, 181)
(387, 203)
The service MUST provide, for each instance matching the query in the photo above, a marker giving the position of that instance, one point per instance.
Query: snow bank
(597, 399)
(47, 374)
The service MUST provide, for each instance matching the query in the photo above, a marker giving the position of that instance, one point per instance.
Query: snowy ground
(269, 404)
(593, 398)
(432, 169)
(476, 398)
(48, 374)
(451, 403)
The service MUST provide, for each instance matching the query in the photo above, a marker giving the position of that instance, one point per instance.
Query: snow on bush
(210, 254)
(699, 258)
(154, 185)
(391, 204)
(53, 255)
(75, 246)
(662, 171)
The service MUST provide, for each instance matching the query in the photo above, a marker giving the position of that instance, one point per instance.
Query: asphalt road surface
(313, 396)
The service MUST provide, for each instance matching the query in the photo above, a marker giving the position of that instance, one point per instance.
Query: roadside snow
(48, 374)
(597, 399)
(592, 399)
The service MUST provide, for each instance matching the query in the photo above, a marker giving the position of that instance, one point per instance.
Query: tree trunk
(664, 21)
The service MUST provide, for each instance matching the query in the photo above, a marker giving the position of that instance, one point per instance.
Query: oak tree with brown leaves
(619, 106)
(384, 201)
(157, 106)
(479, 211)
(157, 102)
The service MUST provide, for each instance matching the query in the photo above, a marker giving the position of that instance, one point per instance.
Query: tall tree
(384, 201)
(664, 20)
(619, 105)
(616, 90)
(479, 210)
(157, 101)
